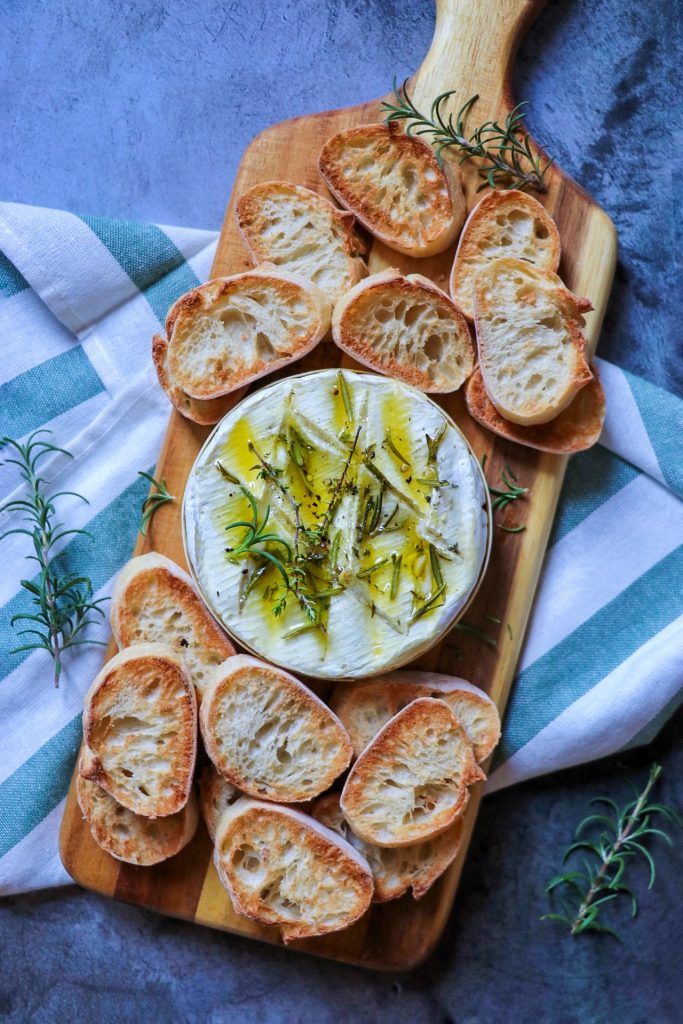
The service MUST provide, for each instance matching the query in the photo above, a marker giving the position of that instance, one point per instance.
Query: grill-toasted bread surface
(131, 837)
(394, 185)
(283, 868)
(231, 331)
(407, 328)
(140, 730)
(577, 427)
(365, 707)
(399, 869)
(296, 229)
(155, 601)
(410, 783)
(269, 735)
(531, 349)
(503, 223)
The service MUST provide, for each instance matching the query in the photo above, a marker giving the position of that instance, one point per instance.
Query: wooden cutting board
(472, 51)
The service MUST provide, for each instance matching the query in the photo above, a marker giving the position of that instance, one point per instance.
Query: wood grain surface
(472, 51)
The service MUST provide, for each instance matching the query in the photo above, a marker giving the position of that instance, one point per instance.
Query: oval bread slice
(365, 707)
(216, 794)
(503, 223)
(281, 867)
(395, 870)
(531, 349)
(131, 837)
(155, 601)
(270, 735)
(140, 730)
(394, 185)
(298, 230)
(233, 330)
(577, 427)
(407, 328)
(410, 783)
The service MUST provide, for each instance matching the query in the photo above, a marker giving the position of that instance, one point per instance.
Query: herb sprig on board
(63, 604)
(153, 501)
(616, 838)
(502, 498)
(504, 150)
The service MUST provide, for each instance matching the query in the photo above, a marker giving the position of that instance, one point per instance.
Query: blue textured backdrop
(141, 110)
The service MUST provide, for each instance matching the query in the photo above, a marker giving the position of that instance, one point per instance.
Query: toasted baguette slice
(395, 187)
(233, 330)
(131, 837)
(410, 783)
(503, 223)
(270, 735)
(155, 601)
(577, 428)
(199, 411)
(297, 229)
(397, 870)
(365, 707)
(531, 349)
(140, 730)
(405, 327)
(216, 794)
(281, 867)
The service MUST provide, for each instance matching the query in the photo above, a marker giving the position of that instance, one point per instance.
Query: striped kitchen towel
(80, 297)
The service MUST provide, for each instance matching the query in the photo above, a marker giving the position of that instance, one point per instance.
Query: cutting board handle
(473, 48)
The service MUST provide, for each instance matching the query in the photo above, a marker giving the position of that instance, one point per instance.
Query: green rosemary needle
(479, 634)
(153, 501)
(346, 396)
(395, 575)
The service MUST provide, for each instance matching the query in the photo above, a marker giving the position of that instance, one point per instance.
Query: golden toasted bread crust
(392, 346)
(427, 202)
(112, 733)
(216, 794)
(577, 428)
(336, 860)
(206, 412)
(487, 227)
(131, 837)
(395, 743)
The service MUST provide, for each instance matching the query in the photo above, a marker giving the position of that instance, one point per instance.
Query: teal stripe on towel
(113, 534)
(596, 648)
(155, 265)
(11, 281)
(591, 478)
(662, 415)
(37, 786)
(45, 391)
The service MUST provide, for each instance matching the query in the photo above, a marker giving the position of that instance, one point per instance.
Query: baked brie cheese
(336, 523)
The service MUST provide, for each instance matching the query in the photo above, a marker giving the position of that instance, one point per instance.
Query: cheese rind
(367, 628)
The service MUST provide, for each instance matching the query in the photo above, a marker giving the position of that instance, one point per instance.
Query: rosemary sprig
(428, 605)
(391, 445)
(620, 837)
(503, 498)
(153, 501)
(63, 603)
(395, 575)
(478, 634)
(507, 160)
(343, 389)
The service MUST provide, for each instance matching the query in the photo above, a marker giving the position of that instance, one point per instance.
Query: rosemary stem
(618, 843)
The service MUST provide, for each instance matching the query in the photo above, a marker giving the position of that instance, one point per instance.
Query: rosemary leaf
(153, 501)
(395, 575)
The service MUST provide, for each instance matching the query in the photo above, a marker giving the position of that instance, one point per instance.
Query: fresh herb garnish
(428, 605)
(391, 445)
(504, 150)
(153, 501)
(479, 634)
(583, 894)
(63, 602)
(346, 396)
(395, 575)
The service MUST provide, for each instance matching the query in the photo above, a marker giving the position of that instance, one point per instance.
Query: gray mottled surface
(141, 110)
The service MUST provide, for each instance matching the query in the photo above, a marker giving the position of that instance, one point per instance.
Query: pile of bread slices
(527, 376)
(294, 847)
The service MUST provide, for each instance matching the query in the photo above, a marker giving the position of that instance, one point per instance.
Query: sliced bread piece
(131, 837)
(395, 186)
(155, 601)
(216, 794)
(140, 730)
(503, 223)
(407, 328)
(410, 783)
(281, 867)
(395, 870)
(270, 735)
(366, 706)
(233, 330)
(577, 427)
(296, 229)
(531, 349)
